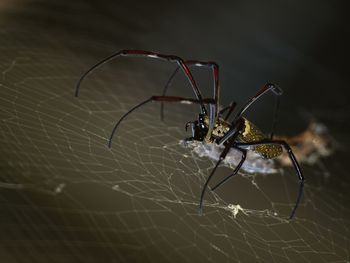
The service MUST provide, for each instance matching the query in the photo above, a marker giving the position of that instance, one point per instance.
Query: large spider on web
(212, 125)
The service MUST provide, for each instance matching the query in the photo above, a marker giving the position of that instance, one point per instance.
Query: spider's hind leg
(294, 161)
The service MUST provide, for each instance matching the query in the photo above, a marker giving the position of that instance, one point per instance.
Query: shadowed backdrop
(66, 197)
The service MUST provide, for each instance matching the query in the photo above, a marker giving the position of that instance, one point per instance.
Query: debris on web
(236, 209)
(309, 146)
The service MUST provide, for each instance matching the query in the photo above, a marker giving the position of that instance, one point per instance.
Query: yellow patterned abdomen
(252, 134)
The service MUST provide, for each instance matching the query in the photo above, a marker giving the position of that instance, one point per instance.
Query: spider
(211, 125)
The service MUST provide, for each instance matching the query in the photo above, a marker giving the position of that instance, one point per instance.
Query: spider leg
(266, 88)
(235, 171)
(294, 161)
(230, 107)
(215, 67)
(158, 98)
(223, 154)
(165, 90)
(142, 53)
(200, 210)
(224, 109)
(213, 108)
(274, 121)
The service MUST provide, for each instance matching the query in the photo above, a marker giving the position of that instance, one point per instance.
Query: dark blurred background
(303, 46)
(46, 45)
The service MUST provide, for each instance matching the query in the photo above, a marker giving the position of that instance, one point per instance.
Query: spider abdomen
(251, 133)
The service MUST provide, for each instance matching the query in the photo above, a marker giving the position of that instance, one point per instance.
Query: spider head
(199, 128)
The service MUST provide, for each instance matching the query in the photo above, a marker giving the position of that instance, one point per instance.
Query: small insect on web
(212, 126)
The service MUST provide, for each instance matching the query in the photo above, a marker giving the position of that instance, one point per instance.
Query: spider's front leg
(148, 54)
(215, 70)
(207, 101)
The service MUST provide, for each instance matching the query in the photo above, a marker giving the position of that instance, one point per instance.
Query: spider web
(67, 197)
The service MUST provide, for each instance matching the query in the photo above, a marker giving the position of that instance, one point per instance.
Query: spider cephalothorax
(220, 128)
(211, 125)
(199, 128)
